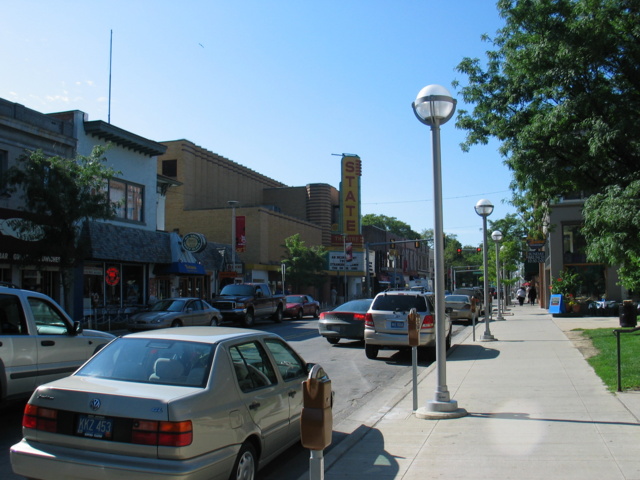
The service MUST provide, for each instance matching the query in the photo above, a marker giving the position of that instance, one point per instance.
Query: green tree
(390, 224)
(612, 231)
(559, 90)
(304, 265)
(60, 194)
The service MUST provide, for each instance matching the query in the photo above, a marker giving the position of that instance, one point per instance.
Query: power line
(430, 200)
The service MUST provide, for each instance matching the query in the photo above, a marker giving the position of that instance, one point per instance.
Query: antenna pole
(110, 58)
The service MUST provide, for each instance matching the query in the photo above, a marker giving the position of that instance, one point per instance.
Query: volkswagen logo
(95, 404)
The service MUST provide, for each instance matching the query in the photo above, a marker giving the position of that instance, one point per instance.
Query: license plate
(397, 324)
(95, 426)
(335, 328)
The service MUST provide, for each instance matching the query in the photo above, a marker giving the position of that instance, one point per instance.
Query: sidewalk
(536, 410)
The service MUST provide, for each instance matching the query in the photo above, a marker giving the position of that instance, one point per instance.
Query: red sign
(113, 276)
(241, 238)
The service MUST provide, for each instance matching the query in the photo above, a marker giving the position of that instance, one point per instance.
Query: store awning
(183, 268)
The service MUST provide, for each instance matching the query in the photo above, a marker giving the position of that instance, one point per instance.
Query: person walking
(532, 295)
(521, 294)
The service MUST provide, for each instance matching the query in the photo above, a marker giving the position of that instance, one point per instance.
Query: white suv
(39, 342)
(385, 324)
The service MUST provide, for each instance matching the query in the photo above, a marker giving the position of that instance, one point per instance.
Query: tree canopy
(61, 194)
(304, 265)
(560, 91)
(390, 224)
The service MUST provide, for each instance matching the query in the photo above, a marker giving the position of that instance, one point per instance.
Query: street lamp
(434, 106)
(497, 238)
(233, 204)
(484, 208)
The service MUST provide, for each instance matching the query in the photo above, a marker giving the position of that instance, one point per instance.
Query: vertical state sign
(350, 194)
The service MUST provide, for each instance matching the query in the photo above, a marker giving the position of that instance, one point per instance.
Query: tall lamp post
(497, 238)
(434, 106)
(484, 208)
(233, 204)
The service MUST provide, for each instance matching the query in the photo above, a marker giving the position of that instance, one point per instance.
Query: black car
(345, 321)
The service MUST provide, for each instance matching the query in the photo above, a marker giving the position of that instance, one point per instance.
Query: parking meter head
(413, 320)
(316, 420)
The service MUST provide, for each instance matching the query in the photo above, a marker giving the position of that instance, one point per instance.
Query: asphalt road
(355, 380)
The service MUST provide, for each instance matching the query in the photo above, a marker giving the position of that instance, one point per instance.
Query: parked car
(344, 321)
(176, 312)
(386, 323)
(246, 302)
(473, 292)
(462, 308)
(194, 402)
(39, 342)
(299, 306)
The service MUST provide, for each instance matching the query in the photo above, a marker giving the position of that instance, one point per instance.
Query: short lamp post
(233, 204)
(434, 106)
(497, 238)
(484, 208)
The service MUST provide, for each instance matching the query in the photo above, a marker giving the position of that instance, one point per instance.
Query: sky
(278, 86)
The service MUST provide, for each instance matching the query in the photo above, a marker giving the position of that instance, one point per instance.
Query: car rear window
(400, 303)
(457, 298)
(143, 360)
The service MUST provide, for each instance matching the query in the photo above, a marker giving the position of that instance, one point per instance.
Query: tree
(390, 224)
(304, 266)
(560, 91)
(60, 194)
(612, 231)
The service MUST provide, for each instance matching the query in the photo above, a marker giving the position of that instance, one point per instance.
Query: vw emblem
(95, 404)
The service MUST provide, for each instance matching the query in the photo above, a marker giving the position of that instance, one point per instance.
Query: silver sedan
(176, 312)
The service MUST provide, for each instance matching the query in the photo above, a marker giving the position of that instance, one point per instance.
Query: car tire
(246, 463)
(277, 317)
(333, 340)
(176, 323)
(316, 313)
(214, 322)
(371, 351)
(299, 314)
(248, 320)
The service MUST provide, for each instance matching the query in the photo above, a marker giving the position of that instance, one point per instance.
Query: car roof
(202, 334)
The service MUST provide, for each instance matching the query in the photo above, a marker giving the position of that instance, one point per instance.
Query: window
(128, 199)
(252, 366)
(3, 164)
(49, 321)
(289, 363)
(12, 321)
(170, 168)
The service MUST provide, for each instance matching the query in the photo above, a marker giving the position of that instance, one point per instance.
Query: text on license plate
(395, 324)
(95, 426)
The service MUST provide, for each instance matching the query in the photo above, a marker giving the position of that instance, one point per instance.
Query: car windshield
(243, 290)
(295, 299)
(457, 298)
(168, 306)
(402, 303)
(355, 306)
(144, 360)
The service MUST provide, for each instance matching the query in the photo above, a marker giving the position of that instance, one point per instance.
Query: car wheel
(248, 319)
(176, 323)
(316, 313)
(333, 340)
(277, 317)
(299, 315)
(371, 351)
(214, 322)
(246, 463)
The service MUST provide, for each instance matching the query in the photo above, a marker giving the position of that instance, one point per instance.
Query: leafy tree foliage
(304, 266)
(560, 91)
(60, 194)
(612, 231)
(391, 224)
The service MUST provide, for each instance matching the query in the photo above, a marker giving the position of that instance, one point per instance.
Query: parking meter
(413, 327)
(316, 421)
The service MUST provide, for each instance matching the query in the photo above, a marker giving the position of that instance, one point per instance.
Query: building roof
(111, 133)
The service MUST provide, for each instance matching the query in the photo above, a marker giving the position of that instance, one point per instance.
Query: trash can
(628, 314)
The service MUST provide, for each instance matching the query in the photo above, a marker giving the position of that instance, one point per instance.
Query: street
(355, 380)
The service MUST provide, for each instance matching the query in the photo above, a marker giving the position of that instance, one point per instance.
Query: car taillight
(359, 317)
(39, 418)
(368, 320)
(165, 434)
(427, 322)
(321, 315)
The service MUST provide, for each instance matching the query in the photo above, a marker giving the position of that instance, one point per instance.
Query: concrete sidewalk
(536, 410)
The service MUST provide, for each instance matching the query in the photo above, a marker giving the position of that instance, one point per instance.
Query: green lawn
(605, 363)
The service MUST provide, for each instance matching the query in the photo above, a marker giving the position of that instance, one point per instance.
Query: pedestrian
(334, 296)
(532, 294)
(521, 294)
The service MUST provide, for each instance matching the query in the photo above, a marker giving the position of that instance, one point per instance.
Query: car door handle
(47, 343)
(292, 393)
(254, 405)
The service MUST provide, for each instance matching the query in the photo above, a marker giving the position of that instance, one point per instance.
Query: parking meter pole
(316, 465)
(414, 363)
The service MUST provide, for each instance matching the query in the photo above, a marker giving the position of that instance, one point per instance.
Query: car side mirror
(77, 328)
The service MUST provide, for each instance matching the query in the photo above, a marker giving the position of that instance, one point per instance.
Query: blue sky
(277, 86)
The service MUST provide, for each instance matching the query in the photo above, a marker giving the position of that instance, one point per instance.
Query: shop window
(573, 244)
(170, 168)
(128, 199)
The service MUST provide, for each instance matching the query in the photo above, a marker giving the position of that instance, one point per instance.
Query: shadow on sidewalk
(472, 352)
(526, 416)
